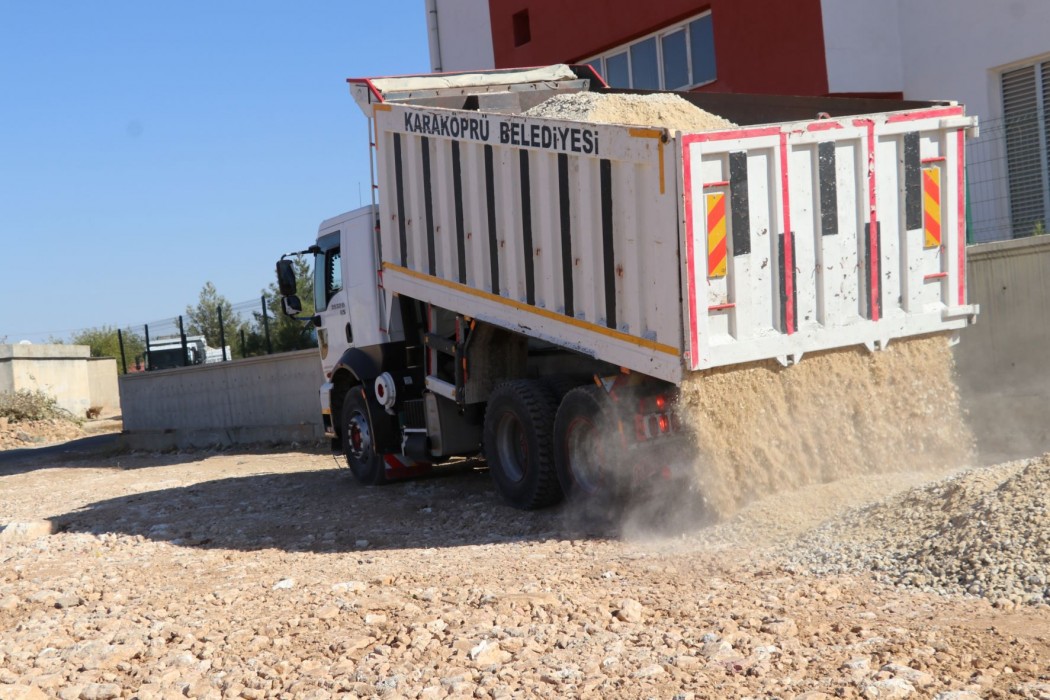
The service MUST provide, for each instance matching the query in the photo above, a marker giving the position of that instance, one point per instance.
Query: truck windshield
(166, 359)
(328, 273)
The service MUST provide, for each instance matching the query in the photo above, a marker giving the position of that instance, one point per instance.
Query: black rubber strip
(829, 198)
(608, 252)
(490, 201)
(739, 208)
(526, 228)
(912, 182)
(565, 211)
(428, 205)
(781, 270)
(399, 185)
(457, 192)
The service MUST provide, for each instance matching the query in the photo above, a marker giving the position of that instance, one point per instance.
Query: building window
(522, 29)
(1026, 129)
(677, 57)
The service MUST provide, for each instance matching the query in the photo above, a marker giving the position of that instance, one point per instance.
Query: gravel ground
(30, 434)
(984, 532)
(37, 432)
(266, 574)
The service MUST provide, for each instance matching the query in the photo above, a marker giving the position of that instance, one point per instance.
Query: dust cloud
(764, 428)
(773, 444)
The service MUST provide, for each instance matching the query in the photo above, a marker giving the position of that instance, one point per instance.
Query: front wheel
(517, 443)
(359, 440)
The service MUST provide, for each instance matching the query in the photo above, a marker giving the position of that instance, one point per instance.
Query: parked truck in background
(169, 352)
(523, 283)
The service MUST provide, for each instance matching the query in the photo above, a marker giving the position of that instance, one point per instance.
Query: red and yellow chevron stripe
(716, 235)
(931, 201)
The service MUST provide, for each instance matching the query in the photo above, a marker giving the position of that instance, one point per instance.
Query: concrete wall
(58, 370)
(102, 384)
(258, 399)
(1004, 360)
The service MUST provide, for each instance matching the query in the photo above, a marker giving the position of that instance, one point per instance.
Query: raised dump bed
(815, 223)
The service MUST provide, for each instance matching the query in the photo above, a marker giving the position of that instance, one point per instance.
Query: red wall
(761, 46)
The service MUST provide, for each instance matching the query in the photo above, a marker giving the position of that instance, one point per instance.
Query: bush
(25, 405)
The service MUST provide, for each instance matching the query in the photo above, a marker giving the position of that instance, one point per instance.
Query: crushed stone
(983, 532)
(655, 110)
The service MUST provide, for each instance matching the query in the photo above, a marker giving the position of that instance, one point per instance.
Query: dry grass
(24, 405)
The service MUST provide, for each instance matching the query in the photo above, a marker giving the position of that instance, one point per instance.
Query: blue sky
(146, 148)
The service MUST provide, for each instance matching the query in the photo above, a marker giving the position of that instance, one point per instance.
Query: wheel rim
(583, 455)
(511, 446)
(359, 442)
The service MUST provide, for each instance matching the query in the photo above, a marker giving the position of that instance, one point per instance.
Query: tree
(204, 318)
(104, 342)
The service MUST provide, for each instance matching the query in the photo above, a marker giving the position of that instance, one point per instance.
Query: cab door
(334, 335)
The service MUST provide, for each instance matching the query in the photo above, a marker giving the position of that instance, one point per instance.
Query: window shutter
(1026, 164)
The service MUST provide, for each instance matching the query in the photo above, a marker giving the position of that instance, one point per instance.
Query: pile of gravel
(984, 532)
(655, 110)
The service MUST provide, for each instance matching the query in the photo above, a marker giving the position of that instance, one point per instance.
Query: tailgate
(823, 234)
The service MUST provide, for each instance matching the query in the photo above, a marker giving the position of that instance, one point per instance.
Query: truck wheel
(517, 440)
(585, 444)
(358, 440)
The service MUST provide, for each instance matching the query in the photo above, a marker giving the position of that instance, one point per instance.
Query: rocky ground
(38, 432)
(35, 433)
(269, 574)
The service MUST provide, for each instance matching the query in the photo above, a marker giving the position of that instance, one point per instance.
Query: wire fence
(1008, 179)
(229, 331)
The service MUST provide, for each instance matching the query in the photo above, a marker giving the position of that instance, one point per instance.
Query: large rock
(26, 530)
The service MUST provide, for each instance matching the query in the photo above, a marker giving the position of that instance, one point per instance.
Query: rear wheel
(517, 439)
(585, 444)
(359, 440)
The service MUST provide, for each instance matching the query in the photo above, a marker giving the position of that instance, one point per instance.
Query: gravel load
(984, 532)
(656, 110)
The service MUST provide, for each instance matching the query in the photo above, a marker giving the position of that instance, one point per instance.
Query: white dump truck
(536, 289)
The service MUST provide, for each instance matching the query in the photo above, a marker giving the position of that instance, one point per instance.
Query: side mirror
(286, 278)
(291, 306)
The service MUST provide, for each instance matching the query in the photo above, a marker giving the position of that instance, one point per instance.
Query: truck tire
(517, 441)
(358, 440)
(585, 444)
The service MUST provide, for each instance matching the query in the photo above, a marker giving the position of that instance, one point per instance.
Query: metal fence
(175, 341)
(1008, 179)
